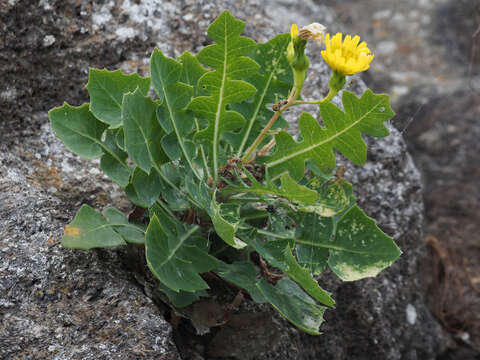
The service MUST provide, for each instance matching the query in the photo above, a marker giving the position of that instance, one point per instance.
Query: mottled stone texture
(62, 304)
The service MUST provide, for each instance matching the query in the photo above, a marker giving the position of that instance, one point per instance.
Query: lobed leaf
(175, 261)
(289, 189)
(143, 133)
(226, 58)
(225, 217)
(175, 96)
(334, 196)
(273, 82)
(147, 186)
(78, 129)
(106, 89)
(114, 163)
(342, 131)
(82, 134)
(192, 71)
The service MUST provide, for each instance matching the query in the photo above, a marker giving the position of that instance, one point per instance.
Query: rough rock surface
(427, 54)
(56, 303)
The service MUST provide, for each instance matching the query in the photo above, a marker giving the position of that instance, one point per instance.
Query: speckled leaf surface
(355, 247)
(278, 253)
(360, 249)
(293, 304)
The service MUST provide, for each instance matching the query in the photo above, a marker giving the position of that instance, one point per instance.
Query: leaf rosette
(221, 190)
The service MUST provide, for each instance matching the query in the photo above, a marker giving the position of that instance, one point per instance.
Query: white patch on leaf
(349, 273)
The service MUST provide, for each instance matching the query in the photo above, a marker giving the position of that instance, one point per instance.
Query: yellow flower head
(347, 57)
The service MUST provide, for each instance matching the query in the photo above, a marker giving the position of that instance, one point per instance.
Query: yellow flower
(347, 57)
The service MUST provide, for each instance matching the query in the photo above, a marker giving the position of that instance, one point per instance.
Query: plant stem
(293, 96)
(329, 97)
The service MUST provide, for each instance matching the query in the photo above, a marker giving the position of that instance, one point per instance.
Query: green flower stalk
(297, 59)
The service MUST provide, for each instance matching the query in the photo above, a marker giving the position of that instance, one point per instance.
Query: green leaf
(294, 305)
(332, 197)
(174, 260)
(174, 174)
(90, 230)
(181, 298)
(147, 186)
(244, 275)
(120, 139)
(143, 133)
(132, 233)
(78, 129)
(81, 132)
(289, 189)
(175, 96)
(342, 131)
(115, 166)
(106, 89)
(226, 58)
(133, 196)
(192, 71)
(225, 217)
(317, 229)
(278, 253)
(273, 82)
(358, 248)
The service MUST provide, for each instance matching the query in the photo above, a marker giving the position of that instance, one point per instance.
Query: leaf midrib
(332, 247)
(219, 108)
(311, 147)
(110, 95)
(177, 133)
(180, 242)
(102, 145)
(255, 113)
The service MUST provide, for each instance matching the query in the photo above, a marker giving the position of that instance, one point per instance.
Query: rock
(54, 302)
(58, 303)
(447, 148)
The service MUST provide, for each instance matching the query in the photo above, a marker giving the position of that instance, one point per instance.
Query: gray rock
(62, 304)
